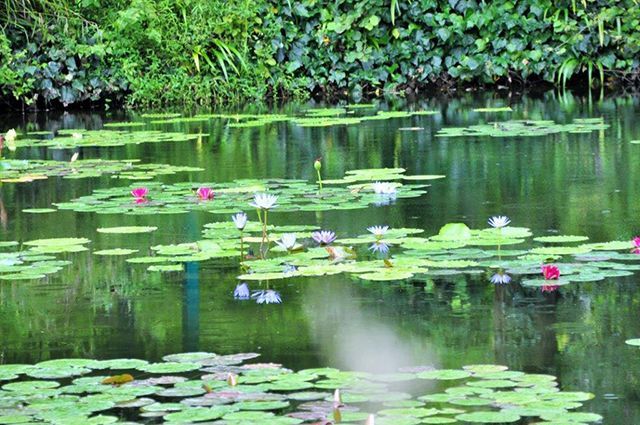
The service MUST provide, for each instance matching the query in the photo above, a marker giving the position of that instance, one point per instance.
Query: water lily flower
(550, 272)
(76, 135)
(241, 292)
(384, 188)
(339, 253)
(500, 278)
(205, 193)
(289, 268)
(11, 135)
(337, 398)
(549, 288)
(139, 192)
(499, 221)
(287, 241)
(324, 237)
(636, 244)
(240, 220)
(379, 247)
(232, 379)
(268, 296)
(378, 231)
(264, 201)
(371, 420)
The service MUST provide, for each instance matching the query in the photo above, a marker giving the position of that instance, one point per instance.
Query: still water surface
(585, 184)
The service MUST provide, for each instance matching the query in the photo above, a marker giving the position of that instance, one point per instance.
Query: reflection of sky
(353, 338)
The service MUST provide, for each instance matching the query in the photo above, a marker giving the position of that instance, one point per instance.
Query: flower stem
(319, 180)
(265, 236)
(241, 248)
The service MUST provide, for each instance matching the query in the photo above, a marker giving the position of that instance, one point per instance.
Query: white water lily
(379, 247)
(11, 135)
(240, 220)
(384, 188)
(264, 201)
(499, 221)
(378, 231)
(287, 241)
(241, 292)
(267, 297)
(500, 279)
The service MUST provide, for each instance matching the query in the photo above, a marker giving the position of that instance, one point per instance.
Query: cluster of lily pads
(524, 128)
(357, 189)
(384, 254)
(36, 260)
(317, 117)
(20, 171)
(399, 254)
(203, 387)
(68, 139)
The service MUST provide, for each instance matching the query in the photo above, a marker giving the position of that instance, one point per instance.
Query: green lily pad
(166, 268)
(115, 251)
(444, 374)
(561, 239)
(198, 414)
(38, 211)
(489, 417)
(127, 229)
(485, 368)
(57, 242)
(169, 367)
(262, 405)
(578, 417)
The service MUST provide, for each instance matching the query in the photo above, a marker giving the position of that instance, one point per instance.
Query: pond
(556, 165)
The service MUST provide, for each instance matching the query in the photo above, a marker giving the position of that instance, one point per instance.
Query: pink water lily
(550, 272)
(205, 193)
(139, 192)
(636, 245)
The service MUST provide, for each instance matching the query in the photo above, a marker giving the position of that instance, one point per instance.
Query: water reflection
(583, 184)
(347, 330)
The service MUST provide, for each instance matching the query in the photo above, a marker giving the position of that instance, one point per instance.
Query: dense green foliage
(189, 51)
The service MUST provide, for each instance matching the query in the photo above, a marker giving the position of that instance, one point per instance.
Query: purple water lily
(324, 237)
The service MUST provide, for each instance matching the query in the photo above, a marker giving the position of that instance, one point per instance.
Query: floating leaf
(169, 367)
(118, 379)
(560, 239)
(115, 251)
(489, 417)
(128, 229)
(444, 374)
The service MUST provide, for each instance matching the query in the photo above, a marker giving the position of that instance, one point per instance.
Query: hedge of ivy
(155, 52)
